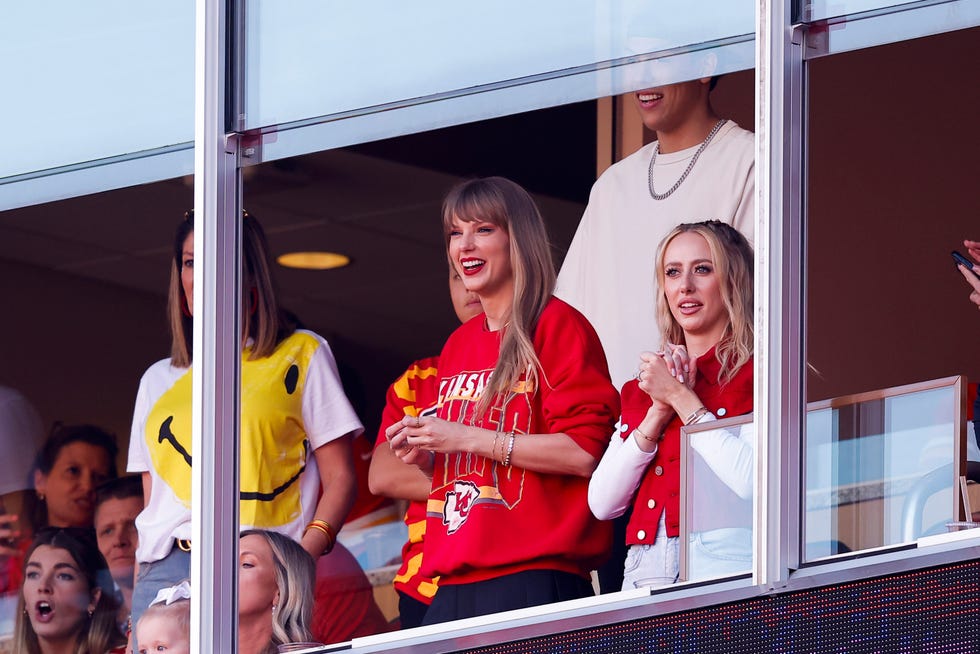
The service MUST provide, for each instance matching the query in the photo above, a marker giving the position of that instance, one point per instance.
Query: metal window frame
(217, 331)
(782, 51)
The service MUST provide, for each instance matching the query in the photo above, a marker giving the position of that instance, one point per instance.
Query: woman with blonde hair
(275, 592)
(525, 405)
(296, 425)
(705, 311)
(67, 602)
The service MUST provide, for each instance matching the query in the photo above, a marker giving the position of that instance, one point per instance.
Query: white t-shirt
(292, 404)
(21, 436)
(608, 273)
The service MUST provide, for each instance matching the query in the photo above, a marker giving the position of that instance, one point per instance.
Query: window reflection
(718, 460)
(882, 468)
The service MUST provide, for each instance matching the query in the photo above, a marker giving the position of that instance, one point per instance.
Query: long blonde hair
(295, 573)
(503, 203)
(734, 265)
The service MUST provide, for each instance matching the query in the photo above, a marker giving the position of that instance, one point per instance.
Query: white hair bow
(173, 593)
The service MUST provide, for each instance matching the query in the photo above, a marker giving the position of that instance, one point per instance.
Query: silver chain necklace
(690, 166)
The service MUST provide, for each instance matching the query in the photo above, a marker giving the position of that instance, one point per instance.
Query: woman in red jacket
(525, 408)
(705, 312)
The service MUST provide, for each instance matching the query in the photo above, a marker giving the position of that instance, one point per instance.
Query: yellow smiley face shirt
(292, 403)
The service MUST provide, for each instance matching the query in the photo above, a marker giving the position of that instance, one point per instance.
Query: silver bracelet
(696, 415)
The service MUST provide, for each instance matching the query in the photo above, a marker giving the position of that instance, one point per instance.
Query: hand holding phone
(966, 263)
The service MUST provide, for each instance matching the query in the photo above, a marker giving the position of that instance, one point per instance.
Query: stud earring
(273, 608)
(40, 496)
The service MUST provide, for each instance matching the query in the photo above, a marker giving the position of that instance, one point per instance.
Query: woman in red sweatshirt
(525, 409)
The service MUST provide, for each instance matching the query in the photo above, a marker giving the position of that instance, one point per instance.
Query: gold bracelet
(493, 452)
(326, 529)
(696, 415)
(649, 439)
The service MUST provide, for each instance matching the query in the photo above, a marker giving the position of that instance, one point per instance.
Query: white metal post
(217, 343)
(779, 398)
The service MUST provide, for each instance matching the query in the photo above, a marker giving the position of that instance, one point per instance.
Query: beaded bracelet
(510, 450)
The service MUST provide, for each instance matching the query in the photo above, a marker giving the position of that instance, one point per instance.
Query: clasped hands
(662, 374)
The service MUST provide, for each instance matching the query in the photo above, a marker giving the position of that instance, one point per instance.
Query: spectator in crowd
(973, 279)
(705, 313)
(525, 408)
(166, 625)
(275, 592)
(21, 435)
(117, 503)
(73, 461)
(296, 425)
(415, 393)
(67, 601)
(700, 165)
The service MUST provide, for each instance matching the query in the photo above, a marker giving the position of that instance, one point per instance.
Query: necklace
(690, 166)
(486, 325)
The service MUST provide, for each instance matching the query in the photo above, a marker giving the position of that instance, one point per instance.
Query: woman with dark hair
(73, 461)
(296, 426)
(525, 408)
(705, 310)
(67, 601)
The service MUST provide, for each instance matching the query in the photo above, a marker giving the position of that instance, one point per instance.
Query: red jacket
(660, 487)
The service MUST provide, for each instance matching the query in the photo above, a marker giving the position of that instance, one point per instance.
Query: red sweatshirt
(486, 520)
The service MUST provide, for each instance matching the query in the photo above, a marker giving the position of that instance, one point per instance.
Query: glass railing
(882, 468)
(717, 491)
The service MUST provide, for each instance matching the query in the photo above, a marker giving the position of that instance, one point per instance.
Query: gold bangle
(700, 411)
(493, 452)
(324, 527)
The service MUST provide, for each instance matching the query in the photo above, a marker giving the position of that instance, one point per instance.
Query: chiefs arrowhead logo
(459, 501)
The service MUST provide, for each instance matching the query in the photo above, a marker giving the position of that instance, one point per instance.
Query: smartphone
(960, 259)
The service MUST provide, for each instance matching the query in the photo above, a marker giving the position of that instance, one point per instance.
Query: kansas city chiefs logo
(459, 501)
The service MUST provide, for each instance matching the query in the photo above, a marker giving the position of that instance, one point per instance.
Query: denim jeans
(653, 565)
(720, 553)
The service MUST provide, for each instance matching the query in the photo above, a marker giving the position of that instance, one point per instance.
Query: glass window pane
(823, 9)
(880, 469)
(870, 193)
(718, 460)
(84, 81)
(307, 59)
